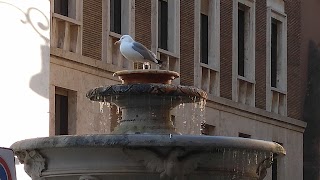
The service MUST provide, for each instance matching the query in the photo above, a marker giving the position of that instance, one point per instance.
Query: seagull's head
(124, 38)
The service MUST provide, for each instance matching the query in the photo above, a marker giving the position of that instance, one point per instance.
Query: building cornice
(102, 69)
(261, 115)
(83, 63)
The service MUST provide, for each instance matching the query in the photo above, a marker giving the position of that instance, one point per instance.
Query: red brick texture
(92, 29)
(143, 22)
(293, 11)
(261, 13)
(226, 49)
(187, 42)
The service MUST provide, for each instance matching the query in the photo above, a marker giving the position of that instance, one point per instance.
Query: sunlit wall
(24, 71)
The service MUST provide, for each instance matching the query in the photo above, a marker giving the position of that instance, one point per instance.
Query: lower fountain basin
(146, 157)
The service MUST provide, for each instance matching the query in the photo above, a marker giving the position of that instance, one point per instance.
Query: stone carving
(175, 164)
(87, 177)
(262, 168)
(33, 162)
(104, 93)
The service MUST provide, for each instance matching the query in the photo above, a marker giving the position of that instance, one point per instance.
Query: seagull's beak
(117, 42)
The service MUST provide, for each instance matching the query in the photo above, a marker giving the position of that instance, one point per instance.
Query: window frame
(163, 31)
(173, 41)
(243, 87)
(62, 35)
(74, 9)
(207, 75)
(171, 56)
(276, 97)
(71, 112)
(109, 51)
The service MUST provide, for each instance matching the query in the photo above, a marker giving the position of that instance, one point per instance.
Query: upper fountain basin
(146, 76)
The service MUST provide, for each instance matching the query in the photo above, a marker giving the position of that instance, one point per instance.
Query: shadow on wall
(39, 80)
(312, 115)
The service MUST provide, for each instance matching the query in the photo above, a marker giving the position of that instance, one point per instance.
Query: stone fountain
(145, 145)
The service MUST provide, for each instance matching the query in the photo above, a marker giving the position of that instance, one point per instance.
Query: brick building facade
(310, 70)
(83, 56)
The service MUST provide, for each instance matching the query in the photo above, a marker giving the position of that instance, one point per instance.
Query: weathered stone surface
(168, 156)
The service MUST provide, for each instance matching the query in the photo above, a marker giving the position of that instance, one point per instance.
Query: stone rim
(125, 140)
(149, 71)
(102, 93)
(146, 76)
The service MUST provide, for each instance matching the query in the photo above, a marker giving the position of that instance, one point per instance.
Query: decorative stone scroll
(33, 162)
(262, 168)
(175, 164)
(104, 93)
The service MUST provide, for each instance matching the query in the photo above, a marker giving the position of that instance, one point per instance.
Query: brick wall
(261, 13)
(92, 29)
(187, 42)
(293, 11)
(226, 49)
(143, 22)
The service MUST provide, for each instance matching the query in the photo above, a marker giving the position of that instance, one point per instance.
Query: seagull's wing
(146, 53)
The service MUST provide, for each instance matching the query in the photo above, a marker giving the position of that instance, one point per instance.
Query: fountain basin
(146, 76)
(146, 107)
(144, 145)
(146, 157)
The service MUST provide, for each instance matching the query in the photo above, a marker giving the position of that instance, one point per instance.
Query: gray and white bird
(136, 52)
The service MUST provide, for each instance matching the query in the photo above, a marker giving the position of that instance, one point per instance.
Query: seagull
(136, 52)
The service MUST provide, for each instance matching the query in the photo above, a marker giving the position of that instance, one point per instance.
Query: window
(66, 8)
(163, 24)
(65, 111)
(173, 119)
(243, 57)
(165, 36)
(115, 16)
(243, 135)
(61, 7)
(66, 25)
(274, 52)
(204, 39)
(275, 164)
(207, 47)
(61, 114)
(276, 75)
(241, 45)
(117, 20)
(275, 168)
(207, 129)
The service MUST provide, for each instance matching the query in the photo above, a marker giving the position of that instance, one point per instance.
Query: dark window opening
(61, 7)
(275, 166)
(244, 135)
(204, 36)
(61, 114)
(115, 16)
(173, 120)
(163, 24)
(241, 41)
(274, 52)
(207, 129)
